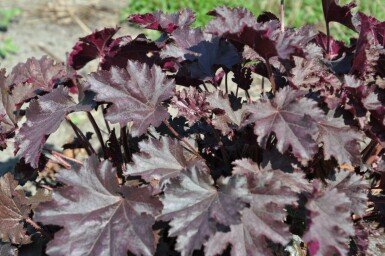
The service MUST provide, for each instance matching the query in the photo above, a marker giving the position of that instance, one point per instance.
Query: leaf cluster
(191, 161)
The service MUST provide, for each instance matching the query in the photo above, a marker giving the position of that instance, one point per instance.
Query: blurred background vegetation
(297, 12)
(6, 17)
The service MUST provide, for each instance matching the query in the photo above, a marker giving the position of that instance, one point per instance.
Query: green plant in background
(6, 17)
(6, 47)
(297, 12)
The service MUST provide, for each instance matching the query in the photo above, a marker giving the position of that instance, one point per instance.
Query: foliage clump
(239, 168)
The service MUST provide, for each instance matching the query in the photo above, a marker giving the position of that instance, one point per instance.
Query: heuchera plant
(240, 168)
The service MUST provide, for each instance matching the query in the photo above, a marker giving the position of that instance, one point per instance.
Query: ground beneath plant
(52, 28)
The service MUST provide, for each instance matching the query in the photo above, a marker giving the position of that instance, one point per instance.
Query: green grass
(7, 15)
(6, 44)
(297, 13)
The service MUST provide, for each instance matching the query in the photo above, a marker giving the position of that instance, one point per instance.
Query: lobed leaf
(227, 119)
(335, 12)
(36, 76)
(14, 210)
(329, 215)
(164, 22)
(161, 160)
(263, 220)
(290, 118)
(44, 117)
(193, 206)
(93, 203)
(136, 94)
(354, 187)
(339, 141)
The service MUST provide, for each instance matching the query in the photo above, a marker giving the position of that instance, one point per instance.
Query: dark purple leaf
(266, 39)
(91, 47)
(367, 51)
(110, 51)
(124, 48)
(335, 12)
(291, 118)
(240, 25)
(355, 188)
(205, 53)
(193, 206)
(242, 77)
(295, 181)
(227, 119)
(266, 16)
(262, 221)
(361, 238)
(309, 73)
(292, 42)
(36, 76)
(164, 22)
(191, 104)
(93, 203)
(43, 118)
(330, 223)
(161, 160)
(336, 47)
(7, 106)
(14, 210)
(339, 141)
(136, 94)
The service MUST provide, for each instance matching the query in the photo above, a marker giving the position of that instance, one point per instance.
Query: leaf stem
(38, 228)
(327, 39)
(105, 121)
(226, 84)
(248, 96)
(98, 132)
(55, 153)
(123, 141)
(204, 86)
(220, 143)
(271, 76)
(282, 16)
(86, 144)
(181, 138)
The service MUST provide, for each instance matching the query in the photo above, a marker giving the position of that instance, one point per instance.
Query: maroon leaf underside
(164, 22)
(291, 118)
(341, 14)
(367, 49)
(124, 48)
(329, 215)
(159, 161)
(14, 210)
(136, 94)
(44, 117)
(93, 203)
(193, 206)
(90, 47)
